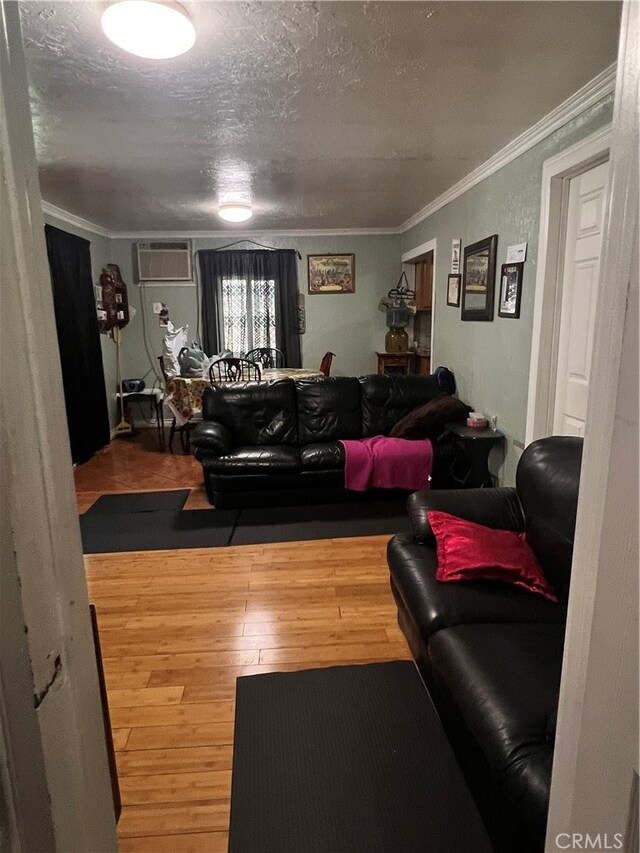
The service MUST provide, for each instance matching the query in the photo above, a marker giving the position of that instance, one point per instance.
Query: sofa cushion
(274, 459)
(320, 456)
(255, 413)
(468, 552)
(505, 679)
(433, 605)
(328, 409)
(547, 481)
(387, 399)
(429, 419)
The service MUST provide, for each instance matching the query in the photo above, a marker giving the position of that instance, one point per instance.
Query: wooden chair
(325, 364)
(234, 370)
(183, 430)
(266, 357)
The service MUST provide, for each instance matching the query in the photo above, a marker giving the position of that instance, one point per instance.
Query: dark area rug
(346, 759)
(150, 521)
(322, 521)
(156, 531)
(139, 502)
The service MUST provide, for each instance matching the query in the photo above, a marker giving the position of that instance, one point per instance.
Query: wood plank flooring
(178, 627)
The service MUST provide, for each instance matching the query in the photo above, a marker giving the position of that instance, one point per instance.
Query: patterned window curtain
(250, 299)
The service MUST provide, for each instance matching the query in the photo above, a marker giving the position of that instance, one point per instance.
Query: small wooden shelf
(395, 362)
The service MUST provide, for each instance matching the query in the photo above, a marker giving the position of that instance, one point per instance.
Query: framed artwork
(478, 283)
(453, 289)
(510, 290)
(331, 273)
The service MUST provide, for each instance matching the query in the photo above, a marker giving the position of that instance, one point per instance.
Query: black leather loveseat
(278, 442)
(490, 653)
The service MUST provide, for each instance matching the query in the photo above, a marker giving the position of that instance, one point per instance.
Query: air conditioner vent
(166, 261)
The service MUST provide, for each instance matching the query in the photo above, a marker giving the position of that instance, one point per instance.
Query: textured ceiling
(324, 114)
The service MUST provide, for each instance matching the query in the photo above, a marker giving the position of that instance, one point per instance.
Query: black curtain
(78, 342)
(262, 265)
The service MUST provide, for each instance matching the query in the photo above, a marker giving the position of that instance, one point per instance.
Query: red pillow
(468, 551)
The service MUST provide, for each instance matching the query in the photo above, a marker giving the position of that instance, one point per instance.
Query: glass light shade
(154, 30)
(235, 212)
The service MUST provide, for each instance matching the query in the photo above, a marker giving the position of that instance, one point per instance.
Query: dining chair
(325, 364)
(184, 430)
(234, 370)
(266, 357)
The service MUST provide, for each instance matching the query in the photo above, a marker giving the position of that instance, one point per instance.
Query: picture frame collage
(472, 288)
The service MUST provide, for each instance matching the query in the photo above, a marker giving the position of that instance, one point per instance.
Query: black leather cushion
(428, 420)
(386, 399)
(505, 681)
(434, 605)
(328, 409)
(320, 456)
(275, 459)
(547, 480)
(498, 508)
(210, 437)
(258, 413)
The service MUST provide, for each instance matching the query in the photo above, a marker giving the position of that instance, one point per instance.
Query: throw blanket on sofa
(387, 463)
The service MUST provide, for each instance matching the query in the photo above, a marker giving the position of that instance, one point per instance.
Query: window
(248, 314)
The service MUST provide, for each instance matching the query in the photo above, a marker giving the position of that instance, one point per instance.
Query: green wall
(491, 359)
(349, 324)
(101, 248)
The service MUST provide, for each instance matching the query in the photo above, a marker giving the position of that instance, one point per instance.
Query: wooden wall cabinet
(424, 283)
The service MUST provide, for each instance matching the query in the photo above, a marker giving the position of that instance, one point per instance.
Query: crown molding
(591, 93)
(239, 235)
(71, 219)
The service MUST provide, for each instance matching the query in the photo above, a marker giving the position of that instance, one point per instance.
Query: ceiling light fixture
(235, 212)
(154, 30)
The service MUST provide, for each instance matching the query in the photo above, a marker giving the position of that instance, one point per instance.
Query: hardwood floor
(178, 627)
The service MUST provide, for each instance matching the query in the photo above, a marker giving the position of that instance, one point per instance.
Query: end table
(473, 447)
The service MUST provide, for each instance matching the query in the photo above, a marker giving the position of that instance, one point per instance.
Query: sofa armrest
(499, 508)
(209, 436)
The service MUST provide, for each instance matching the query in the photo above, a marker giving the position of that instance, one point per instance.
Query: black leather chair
(491, 653)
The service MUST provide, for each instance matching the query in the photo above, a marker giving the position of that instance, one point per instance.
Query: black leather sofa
(278, 442)
(490, 653)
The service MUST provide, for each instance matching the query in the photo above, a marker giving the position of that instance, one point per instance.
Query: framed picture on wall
(478, 283)
(331, 273)
(510, 290)
(453, 289)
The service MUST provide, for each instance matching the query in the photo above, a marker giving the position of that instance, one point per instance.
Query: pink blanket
(387, 463)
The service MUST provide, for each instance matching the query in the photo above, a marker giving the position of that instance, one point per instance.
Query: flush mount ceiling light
(235, 212)
(154, 30)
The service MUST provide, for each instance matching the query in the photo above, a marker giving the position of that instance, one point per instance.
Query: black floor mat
(140, 502)
(150, 521)
(320, 521)
(346, 759)
(155, 531)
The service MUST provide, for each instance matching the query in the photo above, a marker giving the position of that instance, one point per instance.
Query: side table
(470, 468)
(148, 395)
(395, 362)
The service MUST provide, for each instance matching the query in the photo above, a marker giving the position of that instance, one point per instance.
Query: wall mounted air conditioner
(165, 261)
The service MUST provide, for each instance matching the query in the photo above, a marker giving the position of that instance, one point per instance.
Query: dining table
(183, 394)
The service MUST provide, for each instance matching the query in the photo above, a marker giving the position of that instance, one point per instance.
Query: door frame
(557, 172)
(409, 259)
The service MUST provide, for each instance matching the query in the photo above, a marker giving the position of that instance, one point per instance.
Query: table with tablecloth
(184, 393)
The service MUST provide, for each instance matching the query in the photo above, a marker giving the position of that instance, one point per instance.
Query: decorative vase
(396, 340)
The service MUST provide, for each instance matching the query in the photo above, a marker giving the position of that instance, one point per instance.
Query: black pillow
(429, 419)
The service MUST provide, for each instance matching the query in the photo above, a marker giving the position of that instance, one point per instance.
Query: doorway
(572, 221)
(419, 264)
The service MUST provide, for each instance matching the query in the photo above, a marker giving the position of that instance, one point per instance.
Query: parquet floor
(178, 627)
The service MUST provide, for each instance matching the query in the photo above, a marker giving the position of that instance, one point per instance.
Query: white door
(585, 225)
